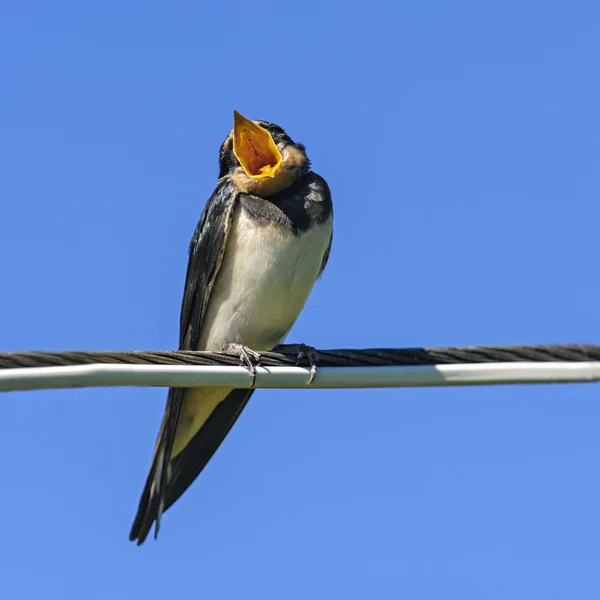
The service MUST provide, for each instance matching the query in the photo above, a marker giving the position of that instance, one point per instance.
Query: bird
(262, 241)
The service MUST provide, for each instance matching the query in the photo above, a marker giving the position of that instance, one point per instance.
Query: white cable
(100, 375)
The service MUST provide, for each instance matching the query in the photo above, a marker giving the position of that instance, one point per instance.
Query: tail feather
(149, 506)
(151, 502)
(169, 478)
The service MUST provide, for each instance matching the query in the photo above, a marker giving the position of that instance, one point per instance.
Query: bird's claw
(305, 351)
(248, 358)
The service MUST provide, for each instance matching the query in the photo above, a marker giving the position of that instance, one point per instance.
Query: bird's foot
(248, 357)
(304, 351)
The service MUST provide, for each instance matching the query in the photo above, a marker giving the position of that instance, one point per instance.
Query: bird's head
(260, 157)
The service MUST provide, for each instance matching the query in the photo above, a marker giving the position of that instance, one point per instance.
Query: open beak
(254, 147)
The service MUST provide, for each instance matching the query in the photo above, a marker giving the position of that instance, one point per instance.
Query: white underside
(264, 282)
(265, 279)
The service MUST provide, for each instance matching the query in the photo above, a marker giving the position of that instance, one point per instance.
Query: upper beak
(254, 147)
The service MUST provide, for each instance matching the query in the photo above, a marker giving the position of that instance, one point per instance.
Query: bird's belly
(263, 284)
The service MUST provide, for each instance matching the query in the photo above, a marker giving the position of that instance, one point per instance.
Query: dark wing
(322, 208)
(166, 482)
(326, 255)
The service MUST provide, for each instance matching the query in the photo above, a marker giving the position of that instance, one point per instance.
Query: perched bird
(262, 241)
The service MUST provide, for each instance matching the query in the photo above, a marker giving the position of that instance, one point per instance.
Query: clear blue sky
(461, 143)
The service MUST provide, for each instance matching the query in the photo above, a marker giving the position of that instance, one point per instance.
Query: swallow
(262, 241)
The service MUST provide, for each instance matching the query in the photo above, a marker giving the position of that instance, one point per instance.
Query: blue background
(462, 144)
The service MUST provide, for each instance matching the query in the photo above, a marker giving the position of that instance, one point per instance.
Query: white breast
(263, 284)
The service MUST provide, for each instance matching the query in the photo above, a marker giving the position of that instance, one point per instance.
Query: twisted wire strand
(325, 358)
